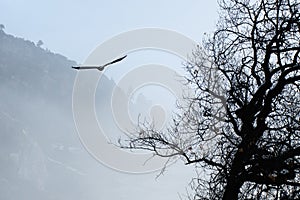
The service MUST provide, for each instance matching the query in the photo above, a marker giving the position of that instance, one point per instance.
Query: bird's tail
(100, 68)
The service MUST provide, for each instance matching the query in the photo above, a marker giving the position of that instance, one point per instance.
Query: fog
(41, 154)
(42, 158)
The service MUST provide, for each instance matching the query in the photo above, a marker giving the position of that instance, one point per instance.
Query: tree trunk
(234, 181)
(232, 190)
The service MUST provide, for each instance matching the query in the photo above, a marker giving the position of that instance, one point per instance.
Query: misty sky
(74, 28)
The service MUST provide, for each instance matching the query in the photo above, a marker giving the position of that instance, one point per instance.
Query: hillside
(40, 151)
(33, 70)
(41, 156)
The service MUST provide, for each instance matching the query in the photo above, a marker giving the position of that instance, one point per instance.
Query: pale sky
(74, 28)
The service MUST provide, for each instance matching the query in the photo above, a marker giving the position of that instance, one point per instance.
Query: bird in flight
(100, 68)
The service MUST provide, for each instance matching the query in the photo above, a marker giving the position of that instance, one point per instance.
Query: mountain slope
(39, 149)
(41, 156)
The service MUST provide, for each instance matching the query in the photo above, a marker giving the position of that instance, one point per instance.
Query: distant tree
(2, 27)
(39, 43)
(241, 130)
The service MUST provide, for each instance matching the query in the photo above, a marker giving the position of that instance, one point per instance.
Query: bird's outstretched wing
(85, 67)
(100, 68)
(115, 61)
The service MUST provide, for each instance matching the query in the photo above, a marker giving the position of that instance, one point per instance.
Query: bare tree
(241, 129)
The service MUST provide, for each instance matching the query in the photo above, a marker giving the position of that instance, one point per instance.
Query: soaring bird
(100, 68)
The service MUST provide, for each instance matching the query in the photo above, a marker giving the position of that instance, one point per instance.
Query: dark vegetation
(241, 129)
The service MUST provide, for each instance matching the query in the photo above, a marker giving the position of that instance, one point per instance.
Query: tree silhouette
(2, 27)
(241, 128)
(39, 43)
